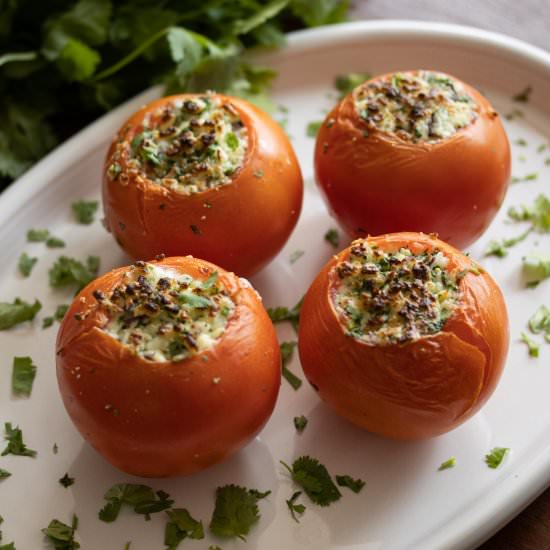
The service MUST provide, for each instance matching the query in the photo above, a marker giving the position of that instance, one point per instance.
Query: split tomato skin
(374, 182)
(415, 390)
(163, 419)
(240, 226)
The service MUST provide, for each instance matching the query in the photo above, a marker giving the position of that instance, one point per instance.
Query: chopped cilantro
(10, 546)
(232, 141)
(180, 526)
(538, 214)
(312, 128)
(494, 458)
(211, 281)
(4, 474)
(296, 255)
(18, 312)
(47, 322)
(540, 322)
(141, 497)
(542, 147)
(37, 235)
(61, 535)
(70, 272)
(25, 264)
(332, 237)
(521, 142)
(54, 242)
(66, 481)
(499, 248)
(536, 268)
(295, 508)
(287, 349)
(528, 177)
(314, 479)
(348, 82)
(532, 346)
(22, 376)
(235, 512)
(450, 463)
(279, 314)
(194, 300)
(15, 446)
(300, 423)
(84, 211)
(347, 481)
(524, 95)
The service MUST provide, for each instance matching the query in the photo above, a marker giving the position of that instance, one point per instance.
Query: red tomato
(420, 388)
(376, 182)
(240, 226)
(157, 419)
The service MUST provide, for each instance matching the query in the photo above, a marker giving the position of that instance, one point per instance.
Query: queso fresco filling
(394, 297)
(416, 105)
(165, 316)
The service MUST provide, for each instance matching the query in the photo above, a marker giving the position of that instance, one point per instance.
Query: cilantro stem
(17, 56)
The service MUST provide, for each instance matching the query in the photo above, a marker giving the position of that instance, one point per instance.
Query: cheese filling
(165, 316)
(188, 146)
(416, 105)
(384, 298)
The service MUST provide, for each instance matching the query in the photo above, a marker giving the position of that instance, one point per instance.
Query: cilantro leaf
(66, 481)
(300, 423)
(295, 508)
(287, 350)
(540, 322)
(268, 11)
(499, 248)
(347, 481)
(4, 474)
(314, 479)
(538, 214)
(235, 512)
(332, 237)
(532, 346)
(22, 376)
(346, 83)
(17, 312)
(84, 211)
(180, 526)
(16, 446)
(280, 314)
(449, 463)
(61, 536)
(70, 272)
(54, 242)
(313, 128)
(25, 264)
(10, 546)
(536, 268)
(37, 235)
(319, 12)
(495, 457)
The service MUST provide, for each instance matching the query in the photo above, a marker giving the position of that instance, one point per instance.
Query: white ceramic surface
(406, 503)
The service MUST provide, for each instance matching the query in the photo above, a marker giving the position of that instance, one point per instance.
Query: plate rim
(513, 493)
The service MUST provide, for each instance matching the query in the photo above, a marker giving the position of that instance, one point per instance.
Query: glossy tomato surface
(159, 419)
(419, 389)
(240, 226)
(375, 182)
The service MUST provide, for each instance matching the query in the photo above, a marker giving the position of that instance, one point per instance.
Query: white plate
(406, 503)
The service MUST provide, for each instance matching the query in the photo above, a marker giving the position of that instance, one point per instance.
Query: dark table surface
(528, 20)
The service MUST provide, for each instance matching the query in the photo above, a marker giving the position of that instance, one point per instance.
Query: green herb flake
(280, 314)
(536, 268)
(499, 248)
(495, 457)
(287, 350)
(66, 481)
(450, 463)
(4, 474)
(524, 95)
(521, 142)
(528, 177)
(67, 272)
(295, 508)
(540, 322)
(181, 525)
(313, 128)
(542, 147)
(37, 235)
(54, 242)
(84, 211)
(532, 346)
(22, 376)
(10, 546)
(17, 312)
(235, 512)
(348, 82)
(300, 423)
(354, 485)
(15, 446)
(25, 264)
(61, 536)
(332, 236)
(314, 479)
(296, 255)
(232, 141)
(47, 322)
(538, 214)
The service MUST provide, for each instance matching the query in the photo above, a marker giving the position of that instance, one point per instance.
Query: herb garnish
(295, 508)
(524, 95)
(84, 211)
(181, 525)
(532, 346)
(287, 349)
(313, 128)
(280, 314)
(353, 484)
(236, 511)
(450, 463)
(16, 446)
(346, 83)
(521, 142)
(54, 242)
(66, 481)
(22, 376)
(142, 498)
(18, 312)
(4, 474)
(37, 235)
(70, 272)
(62, 535)
(494, 458)
(25, 264)
(538, 214)
(296, 255)
(499, 248)
(300, 422)
(536, 268)
(540, 322)
(314, 479)
(528, 177)
(332, 237)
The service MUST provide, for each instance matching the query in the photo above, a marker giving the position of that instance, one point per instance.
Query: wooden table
(528, 20)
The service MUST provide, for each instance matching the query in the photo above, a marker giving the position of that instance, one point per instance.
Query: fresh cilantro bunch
(64, 63)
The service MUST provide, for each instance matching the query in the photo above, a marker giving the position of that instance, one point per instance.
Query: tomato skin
(416, 390)
(160, 419)
(383, 184)
(247, 221)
